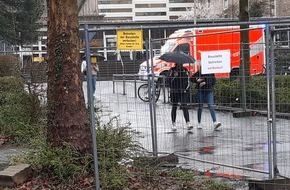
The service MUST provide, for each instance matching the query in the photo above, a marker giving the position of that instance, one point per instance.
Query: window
(180, 1)
(149, 5)
(182, 48)
(173, 17)
(150, 14)
(226, 4)
(111, 42)
(118, 18)
(100, 2)
(178, 9)
(43, 41)
(282, 36)
(169, 44)
(115, 10)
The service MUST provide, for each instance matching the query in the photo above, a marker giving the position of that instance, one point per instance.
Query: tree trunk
(245, 48)
(68, 119)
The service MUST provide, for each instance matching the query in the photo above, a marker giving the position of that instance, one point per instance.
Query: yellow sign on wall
(129, 39)
(38, 59)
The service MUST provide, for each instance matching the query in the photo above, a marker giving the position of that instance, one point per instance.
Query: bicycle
(143, 91)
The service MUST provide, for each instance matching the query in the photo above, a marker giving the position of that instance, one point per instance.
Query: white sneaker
(199, 126)
(189, 126)
(173, 127)
(216, 125)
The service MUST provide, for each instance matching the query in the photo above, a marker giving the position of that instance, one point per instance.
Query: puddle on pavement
(206, 150)
(207, 139)
(258, 166)
(255, 146)
(183, 151)
(264, 146)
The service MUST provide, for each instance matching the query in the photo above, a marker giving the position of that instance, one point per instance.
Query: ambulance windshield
(169, 44)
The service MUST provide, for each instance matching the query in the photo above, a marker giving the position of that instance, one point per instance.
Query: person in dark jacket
(179, 81)
(205, 86)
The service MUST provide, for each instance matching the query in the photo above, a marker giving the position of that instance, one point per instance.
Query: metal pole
(91, 107)
(153, 102)
(123, 72)
(244, 102)
(275, 167)
(135, 86)
(150, 98)
(275, 8)
(163, 89)
(113, 84)
(194, 21)
(269, 119)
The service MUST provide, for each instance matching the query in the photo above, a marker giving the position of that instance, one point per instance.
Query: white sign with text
(215, 61)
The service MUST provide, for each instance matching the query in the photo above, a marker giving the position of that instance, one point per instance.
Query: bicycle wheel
(157, 92)
(143, 92)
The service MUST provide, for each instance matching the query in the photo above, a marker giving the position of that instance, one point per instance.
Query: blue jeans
(202, 97)
(94, 80)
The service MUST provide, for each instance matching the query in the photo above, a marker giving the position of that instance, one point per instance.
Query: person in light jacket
(94, 69)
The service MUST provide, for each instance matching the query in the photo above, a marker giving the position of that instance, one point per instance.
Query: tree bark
(68, 119)
(245, 50)
(245, 47)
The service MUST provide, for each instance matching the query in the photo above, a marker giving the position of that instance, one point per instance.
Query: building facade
(282, 8)
(142, 10)
(160, 15)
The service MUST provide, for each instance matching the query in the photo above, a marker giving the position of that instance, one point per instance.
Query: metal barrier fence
(124, 78)
(249, 98)
(134, 78)
(252, 142)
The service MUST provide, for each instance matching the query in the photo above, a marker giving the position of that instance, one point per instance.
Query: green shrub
(9, 65)
(19, 111)
(11, 84)
(256, 93)
(283, 100)
(61, 163)
(226, 93)
(115, 142)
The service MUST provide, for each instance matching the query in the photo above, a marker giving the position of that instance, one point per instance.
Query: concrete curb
(14, 175)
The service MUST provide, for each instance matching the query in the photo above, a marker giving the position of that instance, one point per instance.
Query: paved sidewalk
(239, 148)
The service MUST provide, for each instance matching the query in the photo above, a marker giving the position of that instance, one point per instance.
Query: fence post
(91, 106)
(274, 132)
(152, 102)
(124, 86)
(113, 83)
(163, 88)
(135, 85)
(269, 118)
